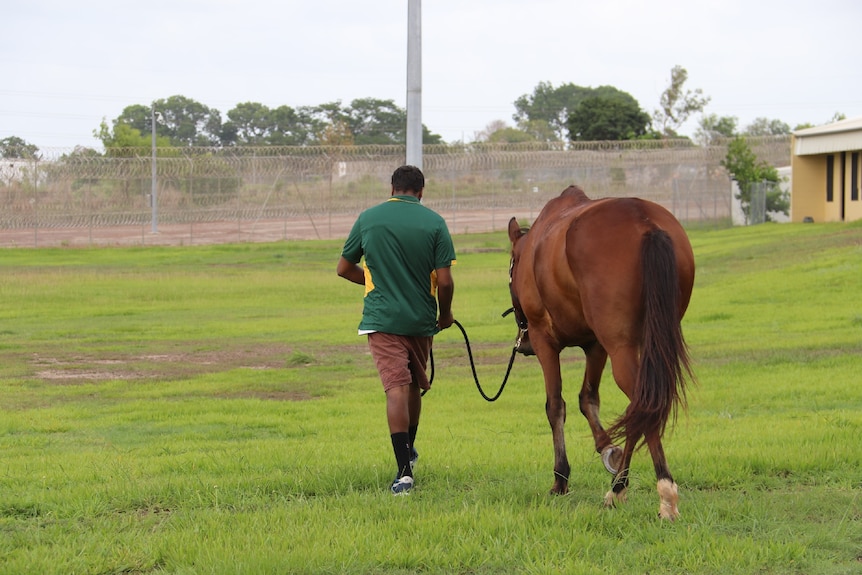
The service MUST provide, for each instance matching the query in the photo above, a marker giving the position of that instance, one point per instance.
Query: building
(826, 167)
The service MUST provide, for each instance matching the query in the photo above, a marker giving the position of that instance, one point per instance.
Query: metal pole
(154, 192)
(414, 83)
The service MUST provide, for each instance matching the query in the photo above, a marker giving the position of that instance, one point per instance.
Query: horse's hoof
(612, 458)
(669, 495)
(559, 488)
(612, 498)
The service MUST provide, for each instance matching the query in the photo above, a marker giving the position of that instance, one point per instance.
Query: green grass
(212, 410)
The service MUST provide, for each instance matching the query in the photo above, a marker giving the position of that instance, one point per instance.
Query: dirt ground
(298, 228)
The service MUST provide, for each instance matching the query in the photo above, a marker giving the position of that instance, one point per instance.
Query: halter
(520, 319)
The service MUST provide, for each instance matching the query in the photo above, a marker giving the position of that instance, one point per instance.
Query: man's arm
(350, 271)
(445, 291)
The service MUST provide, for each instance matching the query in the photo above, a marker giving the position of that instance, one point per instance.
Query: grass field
(212, 410)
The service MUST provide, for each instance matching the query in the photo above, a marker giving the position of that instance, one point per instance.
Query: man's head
(408, 180)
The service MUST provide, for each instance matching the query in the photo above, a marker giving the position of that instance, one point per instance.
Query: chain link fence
(215, 195)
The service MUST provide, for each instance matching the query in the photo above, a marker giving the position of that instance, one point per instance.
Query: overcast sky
(67, 65)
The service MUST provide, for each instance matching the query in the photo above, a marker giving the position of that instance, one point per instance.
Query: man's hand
(445, 321)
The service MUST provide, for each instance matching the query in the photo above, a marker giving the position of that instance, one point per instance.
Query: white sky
(67, 65)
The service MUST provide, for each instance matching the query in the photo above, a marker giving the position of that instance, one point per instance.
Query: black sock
(412, 432)
(401, 446)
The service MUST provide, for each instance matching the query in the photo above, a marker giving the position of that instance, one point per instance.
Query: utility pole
(414, 83)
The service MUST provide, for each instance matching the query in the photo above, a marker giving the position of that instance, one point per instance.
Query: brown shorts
(400, 359)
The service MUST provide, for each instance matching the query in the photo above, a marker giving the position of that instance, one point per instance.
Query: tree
(546, 112)
(292, 127)
(382, 122)
(15, 148)
(493, 126)
(617, 117)
(187, 122)
(137, 116)
(745, 169)
(429, 137)
(374, 121)
(678, 104)
(124, 140)
(122, 135)
(714, 126)
(336, 134)
(510, 135)
(254, 124)
(183, 120)
(365, 121)
(549, 106)
(251, 124)
(81, 153)
(332, 122)
(539, 130)
(545, 105)
(767, 127)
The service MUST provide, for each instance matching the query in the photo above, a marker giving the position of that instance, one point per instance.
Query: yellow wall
(808, 188)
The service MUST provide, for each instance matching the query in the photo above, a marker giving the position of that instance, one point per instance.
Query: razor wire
(80, 188)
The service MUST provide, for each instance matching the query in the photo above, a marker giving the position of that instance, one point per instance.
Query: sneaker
(402, 485)
(414, 455)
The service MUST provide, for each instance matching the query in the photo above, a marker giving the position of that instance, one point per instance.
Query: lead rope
(473, 364)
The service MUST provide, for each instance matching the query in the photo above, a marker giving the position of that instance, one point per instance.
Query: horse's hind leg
(555, 408)
(624, 364)
(620, 483)
(589, 403)
(667, 489)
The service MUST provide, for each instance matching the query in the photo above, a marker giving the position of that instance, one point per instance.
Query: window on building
(830, 177)
(854, 176)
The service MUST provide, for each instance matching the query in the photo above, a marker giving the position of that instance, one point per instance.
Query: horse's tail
(664, 363)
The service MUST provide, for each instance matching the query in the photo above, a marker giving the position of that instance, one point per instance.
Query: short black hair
(408, 179)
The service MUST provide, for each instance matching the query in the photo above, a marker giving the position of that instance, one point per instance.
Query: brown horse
(614, 277)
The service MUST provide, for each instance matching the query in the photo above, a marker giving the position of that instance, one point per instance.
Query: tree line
(181, 122)
(549, 114)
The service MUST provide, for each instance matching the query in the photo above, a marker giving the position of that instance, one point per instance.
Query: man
(408, 298)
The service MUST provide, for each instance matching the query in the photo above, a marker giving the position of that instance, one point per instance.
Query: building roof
(841, 136)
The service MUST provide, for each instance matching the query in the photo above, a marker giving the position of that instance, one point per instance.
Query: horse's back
(614, 227)
(590, 251)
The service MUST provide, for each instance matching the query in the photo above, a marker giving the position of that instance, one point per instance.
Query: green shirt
(403, 243)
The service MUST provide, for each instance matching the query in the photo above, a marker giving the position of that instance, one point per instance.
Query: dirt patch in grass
(177, 361)
(180, 360)
(189, 360)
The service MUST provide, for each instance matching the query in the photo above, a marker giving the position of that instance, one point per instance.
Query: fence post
(154, 192)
